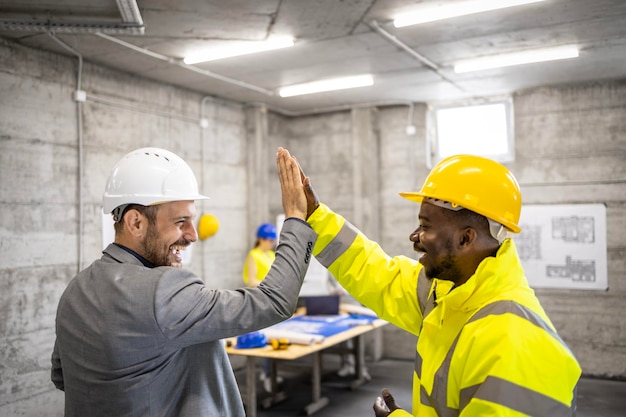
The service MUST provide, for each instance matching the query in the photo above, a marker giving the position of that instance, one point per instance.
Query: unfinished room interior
(284, 207)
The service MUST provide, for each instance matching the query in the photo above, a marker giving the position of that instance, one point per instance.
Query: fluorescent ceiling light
(516, 58)
(237, 49)
(441, 11)
(327, 85)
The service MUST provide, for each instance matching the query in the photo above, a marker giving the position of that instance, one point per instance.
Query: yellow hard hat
(477, 184)
(207, 226)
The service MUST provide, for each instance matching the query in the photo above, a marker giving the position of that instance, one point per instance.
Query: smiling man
(485, 345)
(139, 336)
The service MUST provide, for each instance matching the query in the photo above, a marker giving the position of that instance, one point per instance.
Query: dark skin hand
(312, 200)
(385, 405)
(294, 203)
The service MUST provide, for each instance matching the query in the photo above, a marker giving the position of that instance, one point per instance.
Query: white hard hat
(149, 176)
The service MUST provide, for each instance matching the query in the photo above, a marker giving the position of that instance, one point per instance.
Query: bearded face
(171, 233)
(434, 239)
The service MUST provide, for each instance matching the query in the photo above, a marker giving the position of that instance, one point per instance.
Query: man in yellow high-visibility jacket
(485, 345)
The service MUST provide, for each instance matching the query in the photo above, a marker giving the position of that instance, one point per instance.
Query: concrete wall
(571, 148)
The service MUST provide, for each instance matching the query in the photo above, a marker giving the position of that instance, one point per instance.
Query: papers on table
(306, 330)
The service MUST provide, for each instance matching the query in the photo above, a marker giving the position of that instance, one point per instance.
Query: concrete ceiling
(333, 38)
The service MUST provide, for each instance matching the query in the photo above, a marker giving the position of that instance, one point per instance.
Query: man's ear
(468, 236)
(135, 223)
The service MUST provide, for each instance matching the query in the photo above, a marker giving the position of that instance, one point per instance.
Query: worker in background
(261, 256)
(485, 345)
(136, 336)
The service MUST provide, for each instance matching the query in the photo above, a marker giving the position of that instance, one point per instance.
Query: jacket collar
(122, 254)
(493, 277)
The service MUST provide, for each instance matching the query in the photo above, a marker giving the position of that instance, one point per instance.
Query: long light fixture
(447, 10)
(516, 58)
(237, 49)
(327, 85)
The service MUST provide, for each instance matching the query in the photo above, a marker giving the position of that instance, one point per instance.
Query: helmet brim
(418, 197)
(111, 202)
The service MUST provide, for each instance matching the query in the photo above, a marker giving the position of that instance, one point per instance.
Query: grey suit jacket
(137, 341)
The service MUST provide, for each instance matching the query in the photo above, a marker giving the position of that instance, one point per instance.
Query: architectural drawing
(573, 229)
(576, 270)
(564, 246)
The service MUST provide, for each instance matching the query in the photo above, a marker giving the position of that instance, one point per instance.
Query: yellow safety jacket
(263, 261)
(485, 348)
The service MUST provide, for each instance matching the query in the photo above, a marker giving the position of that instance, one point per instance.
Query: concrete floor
(596, 397)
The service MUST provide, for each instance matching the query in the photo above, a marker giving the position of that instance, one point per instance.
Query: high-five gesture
(312, 201)
(289, 173)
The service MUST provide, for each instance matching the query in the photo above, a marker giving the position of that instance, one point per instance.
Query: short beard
(152, 252)
(446, 269)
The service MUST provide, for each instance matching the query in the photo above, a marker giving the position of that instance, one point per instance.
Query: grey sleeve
(187, 312)
(57, 371)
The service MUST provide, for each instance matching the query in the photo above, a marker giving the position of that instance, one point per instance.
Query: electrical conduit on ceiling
(244, 84)
(375, 26)
(267, 92)
(181, 64)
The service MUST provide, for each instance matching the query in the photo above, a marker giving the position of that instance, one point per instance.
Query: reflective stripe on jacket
(485, 348)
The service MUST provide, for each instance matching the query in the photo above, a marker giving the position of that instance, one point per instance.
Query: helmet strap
(443, 204)
(498, 232)
(118, 212)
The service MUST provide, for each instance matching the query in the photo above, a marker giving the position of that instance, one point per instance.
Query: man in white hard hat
(139, 337)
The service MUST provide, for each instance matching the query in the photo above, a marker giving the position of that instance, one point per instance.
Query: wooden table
(298, 351)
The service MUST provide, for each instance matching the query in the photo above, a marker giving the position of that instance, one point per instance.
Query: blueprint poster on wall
(564, 246)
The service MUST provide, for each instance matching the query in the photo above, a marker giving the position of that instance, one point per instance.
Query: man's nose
(191, 234)
(415, 236)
